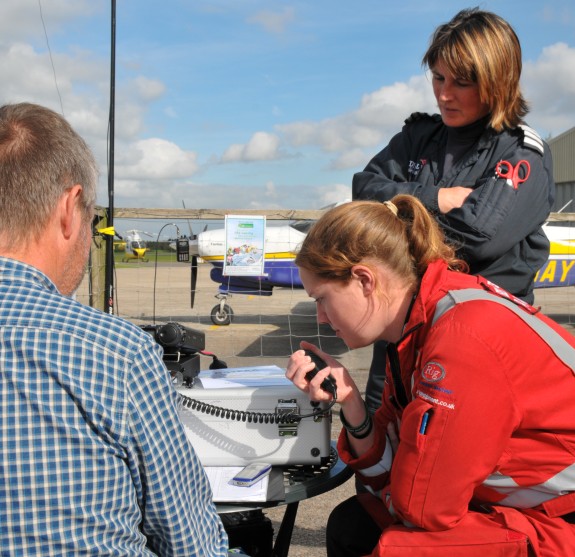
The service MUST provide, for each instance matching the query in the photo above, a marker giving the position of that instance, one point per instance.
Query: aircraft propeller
(194, 253)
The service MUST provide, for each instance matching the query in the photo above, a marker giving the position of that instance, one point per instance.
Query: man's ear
(366, 278)
(70, 209)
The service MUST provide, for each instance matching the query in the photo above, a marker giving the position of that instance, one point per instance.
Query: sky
(254, 104)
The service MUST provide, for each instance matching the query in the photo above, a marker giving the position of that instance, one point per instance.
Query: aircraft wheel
(221, 314)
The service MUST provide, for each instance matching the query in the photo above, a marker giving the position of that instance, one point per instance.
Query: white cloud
(354, 158)
(129, 118)
(147, 89)
(382, 108)
(355, 136)
(270, 189)
(155, 158)
(146, 193)
(87, 120)
(170, 112)
(133, 100)
(335, 193)
(379, 116)
(549, 85)
(79, 90)
(273, 22)
(158, 171)
(262, 146)
(22, 17)
(35, 81)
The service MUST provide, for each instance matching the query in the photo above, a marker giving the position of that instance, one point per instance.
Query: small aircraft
(135, 248)
(559, 270)
(281, 244)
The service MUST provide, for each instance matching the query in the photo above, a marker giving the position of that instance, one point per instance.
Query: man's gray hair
(41, 156)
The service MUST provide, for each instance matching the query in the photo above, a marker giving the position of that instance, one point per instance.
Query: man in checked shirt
(94, 459)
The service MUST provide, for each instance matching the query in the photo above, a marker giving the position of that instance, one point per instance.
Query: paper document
(257, 376)
(269, 488)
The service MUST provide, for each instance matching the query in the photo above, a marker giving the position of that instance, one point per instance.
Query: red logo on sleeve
(432, 372)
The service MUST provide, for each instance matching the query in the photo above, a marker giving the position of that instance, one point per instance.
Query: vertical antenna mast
(109, 277)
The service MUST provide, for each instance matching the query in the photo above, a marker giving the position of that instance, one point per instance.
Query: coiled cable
(251, 417)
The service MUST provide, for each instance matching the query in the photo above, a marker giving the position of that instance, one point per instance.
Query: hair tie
(391, 206)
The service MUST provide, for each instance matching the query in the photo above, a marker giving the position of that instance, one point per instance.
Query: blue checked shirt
(93, 457)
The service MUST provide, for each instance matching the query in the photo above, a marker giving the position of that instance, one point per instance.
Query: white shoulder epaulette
(531, 138)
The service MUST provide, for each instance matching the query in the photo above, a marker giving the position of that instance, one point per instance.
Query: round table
(301, 482)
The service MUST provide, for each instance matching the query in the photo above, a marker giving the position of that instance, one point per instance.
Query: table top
(301, 481)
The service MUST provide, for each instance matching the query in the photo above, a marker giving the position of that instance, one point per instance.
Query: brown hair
(482, 47)
(41, 156)
(364, 231)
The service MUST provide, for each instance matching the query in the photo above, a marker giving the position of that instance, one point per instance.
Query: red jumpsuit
(485, 412)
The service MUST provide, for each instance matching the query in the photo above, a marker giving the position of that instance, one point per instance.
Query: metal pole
(109, 278)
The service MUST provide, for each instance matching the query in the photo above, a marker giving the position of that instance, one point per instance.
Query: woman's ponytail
(426, 240)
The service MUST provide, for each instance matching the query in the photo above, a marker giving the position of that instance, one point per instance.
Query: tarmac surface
(265, 330)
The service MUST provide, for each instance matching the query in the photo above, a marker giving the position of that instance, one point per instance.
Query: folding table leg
(283, 539)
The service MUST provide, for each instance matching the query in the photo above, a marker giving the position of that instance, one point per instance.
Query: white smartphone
(251, 474)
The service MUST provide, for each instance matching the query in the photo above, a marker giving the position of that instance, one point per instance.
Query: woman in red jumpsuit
(472, 452)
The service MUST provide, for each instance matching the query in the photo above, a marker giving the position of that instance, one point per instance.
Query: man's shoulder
(60, 315)
(104, 328)
(31, 301)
